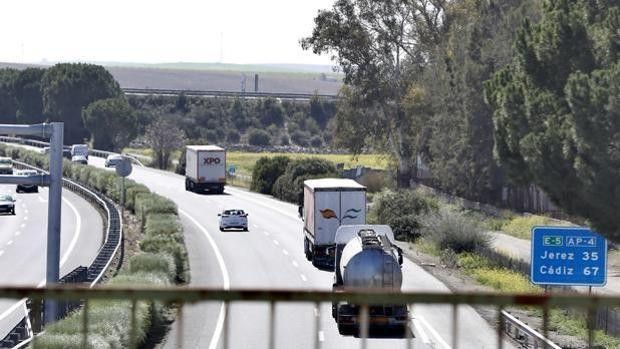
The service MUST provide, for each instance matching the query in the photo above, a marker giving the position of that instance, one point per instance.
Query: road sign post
(569, 256)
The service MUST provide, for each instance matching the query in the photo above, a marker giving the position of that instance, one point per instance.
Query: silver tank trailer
(370, 266)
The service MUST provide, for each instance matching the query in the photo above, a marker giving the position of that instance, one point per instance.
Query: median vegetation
(161, 260)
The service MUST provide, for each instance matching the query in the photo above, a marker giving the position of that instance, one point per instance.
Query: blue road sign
(568, 256)
(232, 170)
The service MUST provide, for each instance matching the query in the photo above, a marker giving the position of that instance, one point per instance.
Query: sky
(155, 31)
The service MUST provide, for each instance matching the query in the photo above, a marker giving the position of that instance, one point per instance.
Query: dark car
(7, 204)
(27, 187)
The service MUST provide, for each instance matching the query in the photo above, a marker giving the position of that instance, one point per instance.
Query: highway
(270, 256)
(23, 243)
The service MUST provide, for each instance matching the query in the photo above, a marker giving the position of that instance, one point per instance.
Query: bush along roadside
(162, 260)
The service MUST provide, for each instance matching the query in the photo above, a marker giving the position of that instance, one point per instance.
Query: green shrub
(266, 172)
(258, 137)
(147, 203)
(521, 226)
(132, 189)
(289, 186)
(402, 211)
(168, 244)
(157, 263)
(450, 228)
(163, 224)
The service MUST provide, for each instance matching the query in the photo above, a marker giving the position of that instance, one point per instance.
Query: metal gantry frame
(55, 133)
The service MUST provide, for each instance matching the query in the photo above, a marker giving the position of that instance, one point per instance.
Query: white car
(113, 160)
(7, 204)
(233, 219)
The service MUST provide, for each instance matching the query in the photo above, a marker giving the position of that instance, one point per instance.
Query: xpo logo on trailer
(568, 256)
(211, 161)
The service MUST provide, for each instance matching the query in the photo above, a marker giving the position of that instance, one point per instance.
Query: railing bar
(408, 328)
(85, 324)
(226, 342)
(545, 325)
(590, 324)
(364, 326)
(500, 328)
(272, 323)
(317, 324)
(180, 327)
(455, 316)
(133, 334)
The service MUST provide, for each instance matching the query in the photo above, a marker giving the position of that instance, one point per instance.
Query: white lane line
(1, 252)
(255, 226)
(285, 252)
(295, 264)
(18, 233)
(321, 336)
(23, 225)
(26, 211)
(25, 218)
(420, 331)
(62, 261)
(275, 242)
(220, 261)
(10, 242)
(434, 333)
(78, 227)
(303, 277)
(266, 233)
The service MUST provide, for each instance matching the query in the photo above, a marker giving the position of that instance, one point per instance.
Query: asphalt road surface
(270, 256)
(23, 244)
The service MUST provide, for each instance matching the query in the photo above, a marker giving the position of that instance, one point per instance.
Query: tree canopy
(112, 123)
(557, 112)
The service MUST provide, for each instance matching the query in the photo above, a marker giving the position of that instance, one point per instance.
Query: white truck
(79, 150)
(205, 168)
(366, 258)
(327, 204)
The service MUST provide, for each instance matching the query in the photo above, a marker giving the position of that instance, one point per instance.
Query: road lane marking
(420, 331)
(276, 242)
(285, 252)
(303, 277)
(78, 228)
(25, 218)
(18, 233)
(255, 225)
(434, 333)
(26, 211)
(42, 282)
(1, 252)
(226, 280)
(10, 242)
(295, 264)
(23, 225)
(266, 233)
(321, 336)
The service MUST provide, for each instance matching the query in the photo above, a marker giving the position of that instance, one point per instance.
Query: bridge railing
(507, 325)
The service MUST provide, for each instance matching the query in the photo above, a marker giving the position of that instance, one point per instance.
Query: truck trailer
(205, 168)
(327, 204)
(367, 259)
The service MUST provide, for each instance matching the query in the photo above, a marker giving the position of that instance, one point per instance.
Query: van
(79, 149)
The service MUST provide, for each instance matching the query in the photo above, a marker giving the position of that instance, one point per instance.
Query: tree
(266, 172)
(379, 45)
(258, 137)
(8, 103)
(70, 87)
(29, 97)
(111, 122)
(556, 109)
(163, 136)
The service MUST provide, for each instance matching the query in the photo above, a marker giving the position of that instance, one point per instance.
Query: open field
(220, 77)
(244, 162)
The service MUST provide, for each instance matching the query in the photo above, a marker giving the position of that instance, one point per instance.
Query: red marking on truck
(328, 213)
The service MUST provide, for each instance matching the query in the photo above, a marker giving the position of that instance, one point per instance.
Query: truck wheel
(307, 249)
(191, 187)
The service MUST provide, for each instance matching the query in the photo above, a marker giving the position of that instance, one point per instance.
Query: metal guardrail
(185, 295)
(105, 255)
(218, 93)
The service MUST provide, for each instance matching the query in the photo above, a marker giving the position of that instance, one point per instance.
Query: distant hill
(292, 78)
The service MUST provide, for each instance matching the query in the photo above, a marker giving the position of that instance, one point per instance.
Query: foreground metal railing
(188, 295)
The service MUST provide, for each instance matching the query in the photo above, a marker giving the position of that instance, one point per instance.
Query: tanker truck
(367, 259)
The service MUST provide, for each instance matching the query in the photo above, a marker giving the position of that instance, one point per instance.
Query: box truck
(327, 204)
(205, 168)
